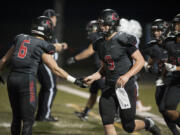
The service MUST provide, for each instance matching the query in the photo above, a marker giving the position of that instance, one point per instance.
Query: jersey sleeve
(47, 47)
(126, 39)
(130, 42)
(131, 49)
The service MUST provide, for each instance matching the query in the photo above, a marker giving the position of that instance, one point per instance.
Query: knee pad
(129, 126)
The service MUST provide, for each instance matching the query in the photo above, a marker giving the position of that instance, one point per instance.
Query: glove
(146, 66)
(70, 61)
(80, 83)
(1, 80)
(169, 67)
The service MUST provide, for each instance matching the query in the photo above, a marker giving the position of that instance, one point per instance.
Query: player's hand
(64, 46)
(60, 46)
(90, 79)
(70, 61)
(169, 67)
(122, 80)
(1, 80)
(146, 66)
(80, 83)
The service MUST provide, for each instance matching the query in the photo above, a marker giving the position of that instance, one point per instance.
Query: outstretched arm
(51, 63)
(96, 76)
(83, 55)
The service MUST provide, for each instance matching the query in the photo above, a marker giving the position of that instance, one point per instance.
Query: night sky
(16, 16)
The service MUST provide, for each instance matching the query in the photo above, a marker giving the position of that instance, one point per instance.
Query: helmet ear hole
(43, 27)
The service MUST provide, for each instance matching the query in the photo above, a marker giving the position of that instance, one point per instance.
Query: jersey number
(23, 49)
(110, 62)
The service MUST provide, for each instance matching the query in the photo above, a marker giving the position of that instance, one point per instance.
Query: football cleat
(152, 127)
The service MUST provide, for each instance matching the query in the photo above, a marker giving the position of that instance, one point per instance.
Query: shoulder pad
(126, 38)
(152, 42)
(169, 38)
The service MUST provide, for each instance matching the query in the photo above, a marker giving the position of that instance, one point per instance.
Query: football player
(26, 54)
(117, 51)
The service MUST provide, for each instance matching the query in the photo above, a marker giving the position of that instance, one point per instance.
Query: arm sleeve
(131, 49)
(48, 47)
(131, 44)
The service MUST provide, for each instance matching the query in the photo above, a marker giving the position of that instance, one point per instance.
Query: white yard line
(86, 95)
(5, 124)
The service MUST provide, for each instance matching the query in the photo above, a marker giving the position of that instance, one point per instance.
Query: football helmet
(43, 27)
(161, 25)
(92, 26)
(109, 17)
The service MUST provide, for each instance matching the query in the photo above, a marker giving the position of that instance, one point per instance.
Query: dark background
(16, 17)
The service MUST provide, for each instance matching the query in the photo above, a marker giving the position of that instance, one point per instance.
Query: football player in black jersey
(47, 79)
(172, 98)
(117, 51)
(26, 54)
(158, 54)
(93, 36)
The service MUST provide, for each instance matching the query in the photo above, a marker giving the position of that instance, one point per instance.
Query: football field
(65, 105)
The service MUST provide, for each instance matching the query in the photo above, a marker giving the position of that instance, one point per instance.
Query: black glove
(70, 61)
(1, 80)
(80, 83)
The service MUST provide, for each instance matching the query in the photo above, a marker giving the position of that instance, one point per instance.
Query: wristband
(71, 79)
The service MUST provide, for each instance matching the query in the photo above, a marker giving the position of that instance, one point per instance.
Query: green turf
(69, 124)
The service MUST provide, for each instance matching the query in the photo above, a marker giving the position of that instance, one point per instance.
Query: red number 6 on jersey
(23, 49)
(110, 62)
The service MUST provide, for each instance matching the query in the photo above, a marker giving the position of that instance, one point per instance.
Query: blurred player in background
(171, 97)
(26, 53)
(92, 36)
(117, 51)
(47, 79)
(134, 28)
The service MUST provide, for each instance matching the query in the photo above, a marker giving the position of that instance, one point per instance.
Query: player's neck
(39, 37)
(108, 38)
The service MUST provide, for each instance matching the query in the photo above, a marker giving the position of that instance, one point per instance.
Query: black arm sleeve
(47, 47)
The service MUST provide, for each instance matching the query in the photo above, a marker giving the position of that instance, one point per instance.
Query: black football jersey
(173, 49)
(28, 52)
(116, 54)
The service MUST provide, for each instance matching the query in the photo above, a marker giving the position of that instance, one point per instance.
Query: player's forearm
(177, 68)
(137, 66)
(84, 54)
(101, 70)
(59, 72)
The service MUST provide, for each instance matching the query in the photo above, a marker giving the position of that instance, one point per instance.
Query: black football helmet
(176, 18)
(109, 17)
(43, 27)
(176, 22)
(162, 25)
(92, 26)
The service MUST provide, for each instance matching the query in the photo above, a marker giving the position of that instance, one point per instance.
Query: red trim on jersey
(32, 94)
